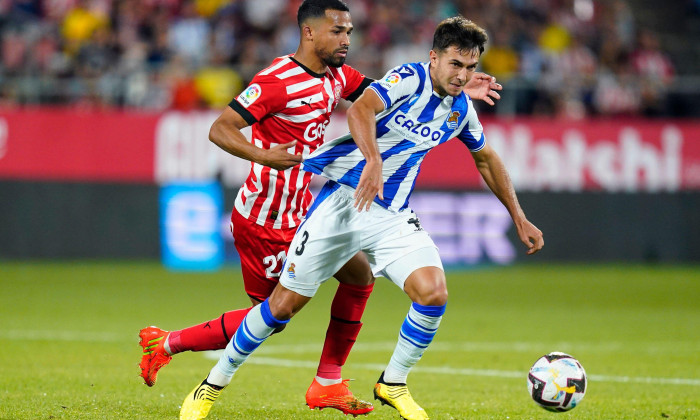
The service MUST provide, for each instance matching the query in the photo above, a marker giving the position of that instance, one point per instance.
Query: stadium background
(102, 103)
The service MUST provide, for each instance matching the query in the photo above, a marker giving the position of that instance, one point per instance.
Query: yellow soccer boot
(398, 396)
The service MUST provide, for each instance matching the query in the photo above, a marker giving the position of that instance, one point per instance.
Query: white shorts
(334, 231)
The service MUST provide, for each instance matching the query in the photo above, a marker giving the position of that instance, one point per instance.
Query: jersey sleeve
(472, 134)
(355, 83)
(396, 85)
(263, 96)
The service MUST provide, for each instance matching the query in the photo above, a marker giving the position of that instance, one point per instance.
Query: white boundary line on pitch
(271, 349)
(446, 370)
(388, 346)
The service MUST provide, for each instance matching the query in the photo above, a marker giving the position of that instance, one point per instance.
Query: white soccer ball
(557, 382)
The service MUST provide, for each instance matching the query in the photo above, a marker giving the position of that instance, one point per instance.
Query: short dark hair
(317, 8)
(461, 33)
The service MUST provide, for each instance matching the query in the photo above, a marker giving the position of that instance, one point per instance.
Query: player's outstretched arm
(363, 127)
(483, 87)
(226, 133)
(496, 177)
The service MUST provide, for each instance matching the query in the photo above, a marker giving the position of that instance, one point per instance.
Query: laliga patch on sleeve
(390, 80)
(250, 95)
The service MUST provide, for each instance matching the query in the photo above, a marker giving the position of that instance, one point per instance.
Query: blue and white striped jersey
(414, 120)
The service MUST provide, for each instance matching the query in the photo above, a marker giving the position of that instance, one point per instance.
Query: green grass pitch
(68, 342)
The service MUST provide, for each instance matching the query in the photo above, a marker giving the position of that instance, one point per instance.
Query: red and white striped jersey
(287, 102)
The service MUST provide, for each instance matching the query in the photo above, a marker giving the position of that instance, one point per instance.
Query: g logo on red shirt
(315, 131)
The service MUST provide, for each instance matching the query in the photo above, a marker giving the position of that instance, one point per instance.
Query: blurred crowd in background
(572, 58)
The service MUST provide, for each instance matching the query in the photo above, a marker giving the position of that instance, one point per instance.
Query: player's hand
(278, 157)
(483, 87)
(530, 236)
(370, 185)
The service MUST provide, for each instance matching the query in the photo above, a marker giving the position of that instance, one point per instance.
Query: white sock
(166, 345)
(326, 382)
(417, 332)
(255, 328)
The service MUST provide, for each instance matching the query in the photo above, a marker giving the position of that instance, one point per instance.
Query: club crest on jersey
(453, 120)
(291, 271)
(250, 95)
(337, 90)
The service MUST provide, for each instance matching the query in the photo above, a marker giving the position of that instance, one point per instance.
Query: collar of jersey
(308, 70)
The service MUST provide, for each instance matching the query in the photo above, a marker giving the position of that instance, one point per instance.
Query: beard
(330, 59)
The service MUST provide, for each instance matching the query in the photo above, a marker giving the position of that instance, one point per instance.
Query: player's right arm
(363, 127)
(362, 121)
(226, 133)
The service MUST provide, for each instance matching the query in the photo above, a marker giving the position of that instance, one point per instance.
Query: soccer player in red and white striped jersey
(288, 105)
(286, 102)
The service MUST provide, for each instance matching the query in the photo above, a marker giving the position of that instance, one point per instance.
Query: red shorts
(262, 251)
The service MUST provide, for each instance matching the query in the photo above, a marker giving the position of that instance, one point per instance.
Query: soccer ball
(557, 382)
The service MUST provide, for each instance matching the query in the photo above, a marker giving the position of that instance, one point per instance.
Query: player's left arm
(483, 87)
(494, 173)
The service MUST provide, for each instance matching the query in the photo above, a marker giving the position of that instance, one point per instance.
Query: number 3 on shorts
(300, 248)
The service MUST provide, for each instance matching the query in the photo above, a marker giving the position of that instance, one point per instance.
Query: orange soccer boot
(336, 396)
(154, 355)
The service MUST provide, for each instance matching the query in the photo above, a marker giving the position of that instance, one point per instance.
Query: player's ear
(307, 32)
(433, 57)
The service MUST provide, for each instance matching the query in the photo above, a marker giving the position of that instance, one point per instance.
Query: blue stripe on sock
(250, 334)
(238, 349)
(429, 310)
(414, 334)
(244, 343)
(269, 319)
(420, 346)
(420, 327)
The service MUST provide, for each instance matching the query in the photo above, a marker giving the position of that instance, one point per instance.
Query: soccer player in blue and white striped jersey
(365, 206)
(416, 115)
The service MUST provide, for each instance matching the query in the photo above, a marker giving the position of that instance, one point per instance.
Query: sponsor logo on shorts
(414, 221)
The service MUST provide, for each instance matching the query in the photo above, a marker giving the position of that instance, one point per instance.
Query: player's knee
(427, 286)
(435, 297)
(284, 303)
(279, 329)
(282, 311)
(366, 278)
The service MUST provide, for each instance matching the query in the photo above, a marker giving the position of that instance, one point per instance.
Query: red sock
(346, 312)
(211, 335)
